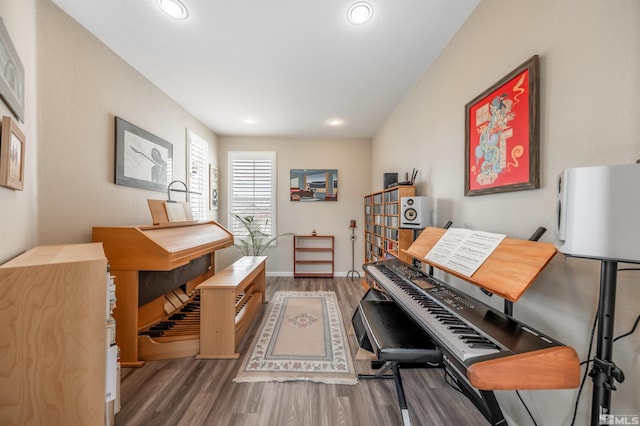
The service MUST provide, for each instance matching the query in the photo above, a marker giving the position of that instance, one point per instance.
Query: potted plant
(257, 239)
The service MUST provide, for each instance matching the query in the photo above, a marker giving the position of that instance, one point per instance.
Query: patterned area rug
(303, 338)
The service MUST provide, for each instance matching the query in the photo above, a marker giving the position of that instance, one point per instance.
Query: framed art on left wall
(143, 160)
(213, 187)
(11, 75)
(12, 155)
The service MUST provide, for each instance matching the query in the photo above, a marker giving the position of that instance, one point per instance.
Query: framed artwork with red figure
(502, 130)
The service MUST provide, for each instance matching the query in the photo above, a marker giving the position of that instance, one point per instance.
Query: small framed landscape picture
(313, 185)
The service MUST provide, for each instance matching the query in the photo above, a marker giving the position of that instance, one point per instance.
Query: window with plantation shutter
(252, 189)
(197, 162)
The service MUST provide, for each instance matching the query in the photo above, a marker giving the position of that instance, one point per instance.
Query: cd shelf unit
(383, 237)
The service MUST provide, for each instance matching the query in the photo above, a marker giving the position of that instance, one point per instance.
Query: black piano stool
(395, 339)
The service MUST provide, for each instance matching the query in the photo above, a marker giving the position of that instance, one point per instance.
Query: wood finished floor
(194, 392)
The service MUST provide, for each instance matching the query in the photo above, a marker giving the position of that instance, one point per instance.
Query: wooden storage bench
(229, 301)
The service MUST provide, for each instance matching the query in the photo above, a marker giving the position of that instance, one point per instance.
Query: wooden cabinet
(383, 237)
(53, 329)
(313, 255)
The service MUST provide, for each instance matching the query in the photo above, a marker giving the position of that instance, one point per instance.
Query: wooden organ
(157, 269)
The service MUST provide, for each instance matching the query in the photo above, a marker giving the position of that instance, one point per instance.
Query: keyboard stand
(395, 339)
(485, 401)
(382, 327)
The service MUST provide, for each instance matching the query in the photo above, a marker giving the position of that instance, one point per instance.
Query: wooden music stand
(164, 212)
(507, 272)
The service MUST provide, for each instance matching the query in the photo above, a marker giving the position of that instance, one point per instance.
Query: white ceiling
(291, 64)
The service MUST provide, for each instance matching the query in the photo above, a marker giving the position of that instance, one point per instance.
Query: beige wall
(590, 104)
(18, 209)
(83, 86)
(352, 158)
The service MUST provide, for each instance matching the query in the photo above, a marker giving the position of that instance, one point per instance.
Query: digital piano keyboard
(492, 350)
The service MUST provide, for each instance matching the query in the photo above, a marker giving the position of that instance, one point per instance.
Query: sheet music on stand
(175, 212)
(508, 271)
(170, 212)
(464, 250)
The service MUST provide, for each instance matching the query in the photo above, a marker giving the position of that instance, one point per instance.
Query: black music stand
(353, 271)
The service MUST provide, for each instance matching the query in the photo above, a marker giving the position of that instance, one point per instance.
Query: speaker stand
(604, 371)
(353, 271)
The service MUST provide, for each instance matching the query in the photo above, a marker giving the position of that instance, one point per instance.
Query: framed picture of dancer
(502, 131)
(143, 160)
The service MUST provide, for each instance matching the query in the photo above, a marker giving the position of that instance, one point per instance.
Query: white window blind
(252, 189)
(198, 175)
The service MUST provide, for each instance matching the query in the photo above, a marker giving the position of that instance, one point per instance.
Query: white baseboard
(290, 274)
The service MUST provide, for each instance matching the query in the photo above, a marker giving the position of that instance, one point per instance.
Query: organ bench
(228, 302)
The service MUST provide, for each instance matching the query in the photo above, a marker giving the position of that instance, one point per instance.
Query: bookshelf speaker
(415, 212)
(597, 212)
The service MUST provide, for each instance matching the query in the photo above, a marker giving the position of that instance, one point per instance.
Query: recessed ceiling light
(250, 120)
(174, 8)
(360, 13)
(335, 121)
